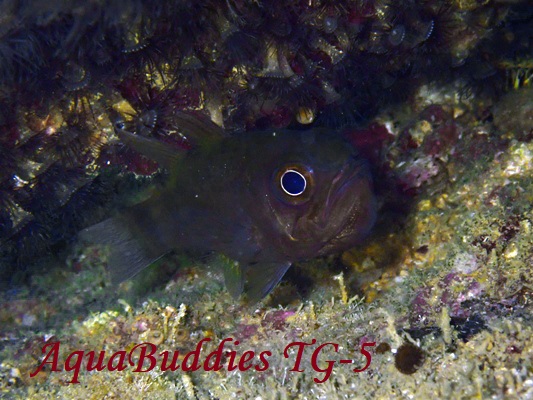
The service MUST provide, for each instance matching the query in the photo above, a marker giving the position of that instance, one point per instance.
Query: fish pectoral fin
(127, 255)
(234, 278)
(164, 154)
(261, 278)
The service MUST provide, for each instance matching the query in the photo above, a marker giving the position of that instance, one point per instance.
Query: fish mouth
(343, 190)
(347, 210)
(341, 187)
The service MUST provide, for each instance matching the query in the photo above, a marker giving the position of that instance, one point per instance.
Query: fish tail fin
(128, 254)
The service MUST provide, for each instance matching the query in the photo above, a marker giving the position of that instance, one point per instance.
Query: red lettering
(77, 364)
(246, 357)
(143, 356)
(174, 365)
(301, 345)
(99, 364)
(195, 354)
(329, 368)
(121, 364)
(232, 354)
(367, 355)
(263, 366)
(54, 351)
(216, 356)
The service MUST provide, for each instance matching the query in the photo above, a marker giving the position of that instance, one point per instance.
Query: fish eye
(120, 125)
(293, 183)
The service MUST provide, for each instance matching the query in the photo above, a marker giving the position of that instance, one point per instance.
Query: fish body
(263, 199)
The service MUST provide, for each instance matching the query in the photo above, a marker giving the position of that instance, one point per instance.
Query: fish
(265, 199)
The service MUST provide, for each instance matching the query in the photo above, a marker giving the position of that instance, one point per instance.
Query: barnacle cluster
(68, 70)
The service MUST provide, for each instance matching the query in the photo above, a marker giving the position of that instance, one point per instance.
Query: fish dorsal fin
(164, 154)
(198, 128)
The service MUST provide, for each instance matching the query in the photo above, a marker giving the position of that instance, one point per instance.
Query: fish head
(312, 194)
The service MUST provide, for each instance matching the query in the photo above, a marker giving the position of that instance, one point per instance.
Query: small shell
(305, 115)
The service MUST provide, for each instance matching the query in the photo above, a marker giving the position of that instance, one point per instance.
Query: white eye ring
(296, 178)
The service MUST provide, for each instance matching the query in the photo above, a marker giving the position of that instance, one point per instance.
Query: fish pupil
(293, 183)
(120, 125)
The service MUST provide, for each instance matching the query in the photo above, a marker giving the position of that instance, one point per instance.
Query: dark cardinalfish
(264, 199)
